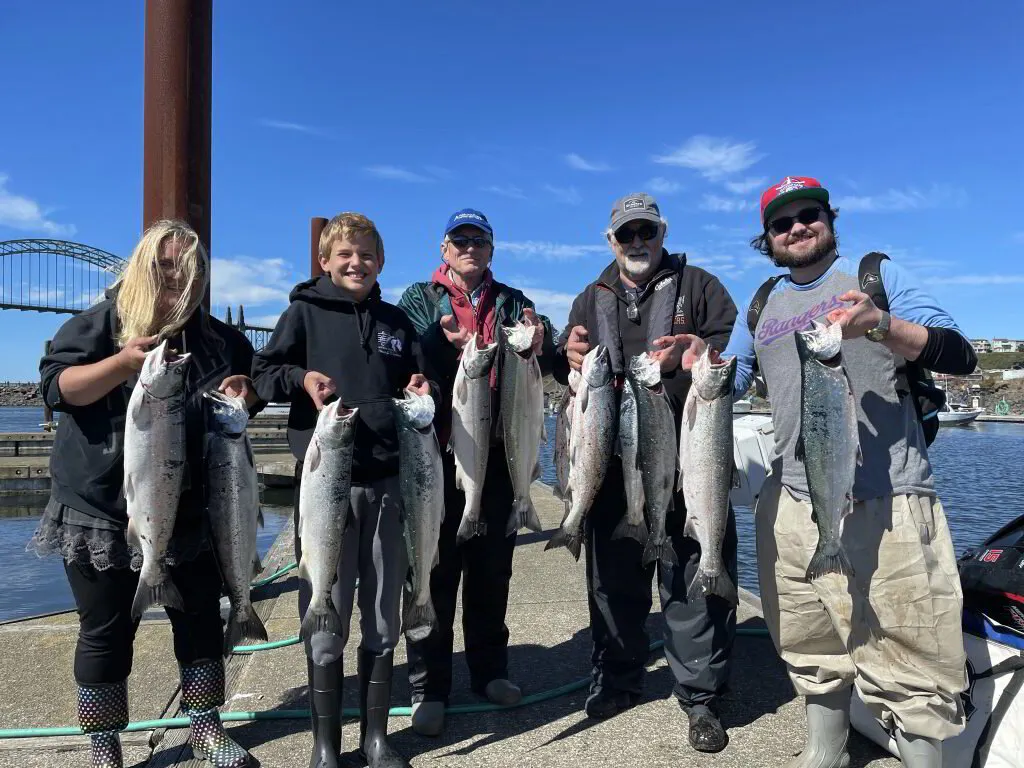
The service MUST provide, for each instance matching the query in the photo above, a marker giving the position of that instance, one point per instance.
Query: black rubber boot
(202, 692)
(374, 702)
(706, 731)
(102, 713)
(325, 709)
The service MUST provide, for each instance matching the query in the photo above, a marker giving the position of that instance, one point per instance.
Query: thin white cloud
(976, 279)
(251, 282)
(567, 195)
(553, 304)
(18, 212)
(506, 190)
(438, 171)
(725, 204)
(286, 125)
(396, 173)
(909, 199)
(714, 158)
(659, 185)
(745, 186)
(581, 164)
(393, 292)
(543, 250)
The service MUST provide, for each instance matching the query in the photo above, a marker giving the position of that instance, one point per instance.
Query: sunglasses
(462, 242)
(647, 232)
(806, 217)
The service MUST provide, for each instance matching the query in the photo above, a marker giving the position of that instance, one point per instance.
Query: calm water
(978, 472)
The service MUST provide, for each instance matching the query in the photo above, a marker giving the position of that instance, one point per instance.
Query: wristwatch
(881, 331)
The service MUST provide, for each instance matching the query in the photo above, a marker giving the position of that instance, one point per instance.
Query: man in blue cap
(461, 299)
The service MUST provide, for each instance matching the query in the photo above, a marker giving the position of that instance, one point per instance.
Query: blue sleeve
(909, 301)
(741, 344)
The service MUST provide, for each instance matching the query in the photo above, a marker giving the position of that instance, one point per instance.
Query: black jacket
(702, 307)
(87, 461)
(369, 349)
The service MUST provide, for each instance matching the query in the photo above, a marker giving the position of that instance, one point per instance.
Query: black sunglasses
(806, 217)
(461, 241)
(625, 235)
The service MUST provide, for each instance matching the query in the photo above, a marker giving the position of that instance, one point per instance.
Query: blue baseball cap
(471, 217)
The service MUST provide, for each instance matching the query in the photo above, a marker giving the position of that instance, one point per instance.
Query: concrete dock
(551, 646)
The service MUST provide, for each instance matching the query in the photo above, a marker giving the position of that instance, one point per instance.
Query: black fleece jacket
(368, 348)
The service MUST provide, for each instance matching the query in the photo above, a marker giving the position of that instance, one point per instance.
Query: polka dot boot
(202, 691)
(102, 712)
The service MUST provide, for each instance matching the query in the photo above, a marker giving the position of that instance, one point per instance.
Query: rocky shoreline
(20, 395)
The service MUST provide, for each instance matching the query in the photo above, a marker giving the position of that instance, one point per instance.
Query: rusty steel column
(316, 226)
(176, 114)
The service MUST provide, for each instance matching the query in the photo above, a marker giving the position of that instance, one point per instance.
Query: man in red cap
(892, 626)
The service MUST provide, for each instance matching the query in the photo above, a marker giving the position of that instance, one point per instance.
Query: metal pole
(316, 226)
(176, 114)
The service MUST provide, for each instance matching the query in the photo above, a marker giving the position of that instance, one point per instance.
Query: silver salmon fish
(633, 525)
(154, 468)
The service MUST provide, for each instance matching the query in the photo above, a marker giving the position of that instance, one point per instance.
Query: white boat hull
(957, 418)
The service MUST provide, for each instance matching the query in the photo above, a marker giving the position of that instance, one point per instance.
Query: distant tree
(1020, 347)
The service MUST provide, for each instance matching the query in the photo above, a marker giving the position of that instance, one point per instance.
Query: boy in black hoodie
(339, 338)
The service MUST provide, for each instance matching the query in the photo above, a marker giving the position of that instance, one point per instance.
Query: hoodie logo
(680, 314)
(388, 344)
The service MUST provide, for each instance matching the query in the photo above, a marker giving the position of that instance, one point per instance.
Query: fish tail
(825, 561)
(163, 593)
(419, 621)
(530, 518)
(567, 540)
(652, 552)
(523, 516)
(326, 620)
(469, 528)
(625, 530)
(705, 584)
(251, 628)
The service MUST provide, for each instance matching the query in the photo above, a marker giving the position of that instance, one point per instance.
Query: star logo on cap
(789, 184)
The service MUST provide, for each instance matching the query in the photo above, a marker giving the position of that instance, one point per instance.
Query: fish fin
(690, 528)
(259, 518)
(303, 571)
(257, 566)
(690, 412)
(530, 518)
(132, 535)
(140, 416)
(419, 621)
(313, 454)
(460, 388)
(705, 584)
(860, 456)
(129, 487)
(250, 629)
(436, 559)
(798, 454)
(626, 531)
(469, 528)
(679, 475)
(165, 594)
(668, 554)
(584, 398)
(652, 552)
(563, 539)
(822, 563)
(328, 621)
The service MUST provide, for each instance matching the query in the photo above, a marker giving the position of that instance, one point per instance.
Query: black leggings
(106, 630)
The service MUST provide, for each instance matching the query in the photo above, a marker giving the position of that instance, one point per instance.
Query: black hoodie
(368, 348)
(87, 460)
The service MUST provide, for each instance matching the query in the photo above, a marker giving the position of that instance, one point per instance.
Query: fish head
(414, 411)
(336, 424)
(820, 342)
(645, 370)
(163, 373)
(520, 337)
(477, 360)
(228, 415)
(713, 375)
(597, 367)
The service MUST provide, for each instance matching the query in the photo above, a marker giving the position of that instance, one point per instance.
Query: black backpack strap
(869, 276)
(757, 303)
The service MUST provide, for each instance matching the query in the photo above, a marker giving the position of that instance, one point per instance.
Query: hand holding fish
(418, 384)
(692, 353)
(858, 319)
(577, 347)
(133, 353)
(456, 336)
(239, 386)
(668, 351)
(319, 387)
(530, 318)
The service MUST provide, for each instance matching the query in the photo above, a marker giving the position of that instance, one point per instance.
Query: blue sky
(540, 115)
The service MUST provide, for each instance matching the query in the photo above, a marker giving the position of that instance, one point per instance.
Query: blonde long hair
(142, 281)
